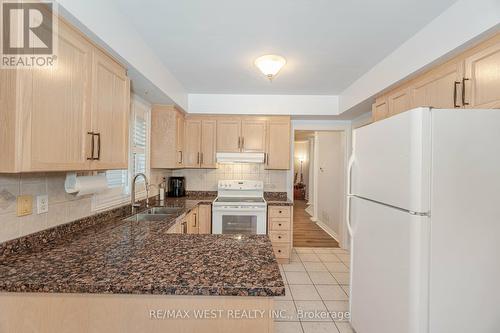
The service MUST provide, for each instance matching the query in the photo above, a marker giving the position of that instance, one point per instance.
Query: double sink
(154, 214)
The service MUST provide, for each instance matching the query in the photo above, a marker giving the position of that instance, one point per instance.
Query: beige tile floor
(317, 285)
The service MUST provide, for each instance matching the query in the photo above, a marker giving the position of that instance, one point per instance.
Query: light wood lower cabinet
(50, 116)
(277, 155)
(280, 227)
(193, 224)
(205, 218)
(197, 221)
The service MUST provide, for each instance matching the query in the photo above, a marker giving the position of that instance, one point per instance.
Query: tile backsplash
(63, 207)
(206, 179)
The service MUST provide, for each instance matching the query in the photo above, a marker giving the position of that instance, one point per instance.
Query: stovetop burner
(240, 200)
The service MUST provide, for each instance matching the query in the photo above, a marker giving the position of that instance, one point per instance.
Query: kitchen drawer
(280, 236)
(279, 211)
(279, 224)
(281, 250)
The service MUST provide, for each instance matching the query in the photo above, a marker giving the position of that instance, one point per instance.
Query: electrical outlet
(24, 205)
(42, 204)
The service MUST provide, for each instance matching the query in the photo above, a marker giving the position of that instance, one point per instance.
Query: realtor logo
(28, 34)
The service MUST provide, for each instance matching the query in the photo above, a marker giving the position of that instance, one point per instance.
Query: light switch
(24, 205)
(42, 204)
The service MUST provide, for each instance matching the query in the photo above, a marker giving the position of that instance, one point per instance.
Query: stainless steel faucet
(132, 191)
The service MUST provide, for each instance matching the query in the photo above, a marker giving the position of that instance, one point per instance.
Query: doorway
(318, 187)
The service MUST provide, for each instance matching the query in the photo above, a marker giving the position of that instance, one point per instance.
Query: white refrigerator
(424, 219)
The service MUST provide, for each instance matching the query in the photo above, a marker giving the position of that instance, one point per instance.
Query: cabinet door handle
(98, 146)
(92, 143)
(195, 220)
(242, 142)
(455, 84)
(463, 91)
(239, 142)
(267, 159)
(198, 158)
(179, 161)
(201, 159)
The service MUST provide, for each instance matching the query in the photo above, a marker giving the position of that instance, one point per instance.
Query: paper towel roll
(83, 185)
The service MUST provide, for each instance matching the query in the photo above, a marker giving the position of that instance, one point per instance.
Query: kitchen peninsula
(104, 274)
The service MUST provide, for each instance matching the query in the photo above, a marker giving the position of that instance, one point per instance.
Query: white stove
(239, 208)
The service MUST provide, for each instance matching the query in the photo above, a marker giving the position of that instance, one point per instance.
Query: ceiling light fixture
(270, 65)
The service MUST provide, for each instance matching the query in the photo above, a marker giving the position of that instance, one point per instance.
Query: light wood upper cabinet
(398, 101)
(110, 113)
(200, 143)
(253, 135)
(228, 135)
(192, 144)
(47, 113)
(278, 144)
(235, 135)
(482, 78)
(180, 131)
(60, 108)
(167, 137)
(380, 109)
(469, 80)
(208, 144)
(205, 219)
(440, 88)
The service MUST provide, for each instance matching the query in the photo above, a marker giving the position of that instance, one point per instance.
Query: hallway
(307, 233)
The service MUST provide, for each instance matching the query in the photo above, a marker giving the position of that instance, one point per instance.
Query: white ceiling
(210, 45)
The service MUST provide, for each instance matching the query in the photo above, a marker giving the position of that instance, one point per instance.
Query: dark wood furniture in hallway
(307, 233)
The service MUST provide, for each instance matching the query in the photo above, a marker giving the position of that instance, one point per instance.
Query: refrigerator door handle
(348, 201)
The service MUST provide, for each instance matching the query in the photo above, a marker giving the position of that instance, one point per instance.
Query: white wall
(316, 125)
(302, 151)
(330, 199)
(113, 31)
(311, 105)
(453, 29)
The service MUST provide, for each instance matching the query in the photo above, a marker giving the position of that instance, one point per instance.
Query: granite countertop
(277, 199)
(286, 202)
(121, 257)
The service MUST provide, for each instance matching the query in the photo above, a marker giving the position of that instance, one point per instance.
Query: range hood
(226, 158)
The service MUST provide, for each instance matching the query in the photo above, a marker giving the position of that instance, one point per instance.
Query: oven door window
(238, 224)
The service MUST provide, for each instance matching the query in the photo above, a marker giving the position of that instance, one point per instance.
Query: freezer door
(389, 269)
(392, 161)
(465, 269)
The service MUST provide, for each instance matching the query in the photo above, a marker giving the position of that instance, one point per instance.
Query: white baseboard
(309, 210)
(328, 230)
